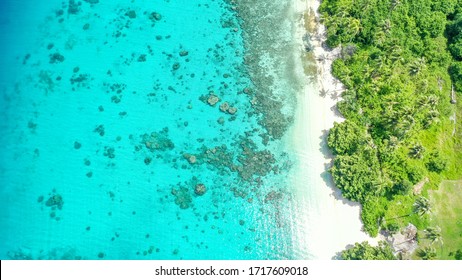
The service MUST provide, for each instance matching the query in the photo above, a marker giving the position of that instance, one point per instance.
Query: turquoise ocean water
(146, 129)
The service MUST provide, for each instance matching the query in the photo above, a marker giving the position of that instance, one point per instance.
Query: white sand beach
(327, 222)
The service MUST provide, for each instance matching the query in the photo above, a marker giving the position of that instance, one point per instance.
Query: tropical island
(231, 129)
(399, 150)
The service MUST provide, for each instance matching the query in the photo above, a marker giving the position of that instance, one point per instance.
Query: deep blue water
(117, 115)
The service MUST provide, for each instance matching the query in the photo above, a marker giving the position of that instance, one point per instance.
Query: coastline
(327, 222)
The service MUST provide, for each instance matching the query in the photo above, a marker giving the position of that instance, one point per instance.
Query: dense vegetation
(364, 251)
(399, 61)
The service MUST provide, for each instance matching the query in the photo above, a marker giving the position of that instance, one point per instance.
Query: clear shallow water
(108, 131)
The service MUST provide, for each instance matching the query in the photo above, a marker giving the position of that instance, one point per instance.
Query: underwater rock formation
(182, 197)
(224, 106)
(99, 129)
(191, 158)
(254, 162)
(212, 99)
(232, 110)
(155, 16)
(109, 152)
(55, 200)
(131, 14)
(56, 58)
(74, 7)
(200, 189)
(158, 141)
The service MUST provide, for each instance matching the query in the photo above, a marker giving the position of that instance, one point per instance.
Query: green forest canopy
(399, 61)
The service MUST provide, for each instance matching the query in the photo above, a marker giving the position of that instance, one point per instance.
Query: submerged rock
(77, 145)
(99, 129)
(219, 157)
(224, 106)
(158, 141)
(131, 14)
(200, 189)
(273, 196)
(182, 197)
(254, 162)
(142, 58)
(155, 16)
(56, 57)
(191, 158)
(147, 160)
(213, 99)
(232, 110)
(74, 7)
(55, 200)
(109, 152)
(176, 66)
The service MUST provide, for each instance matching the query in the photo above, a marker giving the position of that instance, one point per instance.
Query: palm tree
(386, 26)
(393, 142)
(432, 100)
(380, 185)
(417, 66)
(432, 117)
(354, 27)
(417, 151)
(395, 3)
(427, 253)
(407, 111)
(440, 83)
(434, 235)
(379, 37)
(422, 206)
(429, 101)
(395, 53)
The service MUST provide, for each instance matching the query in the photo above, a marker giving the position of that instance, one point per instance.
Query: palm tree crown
(422, 206)
(434, 235)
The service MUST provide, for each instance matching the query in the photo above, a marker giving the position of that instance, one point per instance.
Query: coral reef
(58, 253)
(224, 107)
(109, 152)
(77, 145)
(200, 189)
(56, 58)
(131, 14)
(182, 197)
(74, 7)
(212, 99)
(99, 129)
(254, 162)
(191, 158)
(155, 16)
(158, 141)
(55, 200)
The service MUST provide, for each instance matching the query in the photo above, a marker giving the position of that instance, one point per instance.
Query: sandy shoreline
(327, 223)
